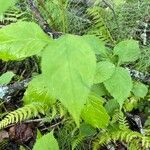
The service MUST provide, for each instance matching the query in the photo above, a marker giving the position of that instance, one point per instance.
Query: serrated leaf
(6, 77)
(128, 51)
(104, 71)
(95, 114)
(38, 91)
(69, 66)
(20, 40)
(5, 4)
(97, 45)
(119, 85)
(139, 90)
(46, 142)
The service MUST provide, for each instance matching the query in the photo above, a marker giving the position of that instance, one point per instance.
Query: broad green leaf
(128, 51)
(104, 71)
(68, 66)
(38, 91)
(5, 4)
(6, 77)
(20, 40)
(95, 114)
(139, 90)
(97, 45)
(46, 142)
(99, 90)
(119, 85)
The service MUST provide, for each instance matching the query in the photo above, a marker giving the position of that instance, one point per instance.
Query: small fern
(119, 118)
(26, 112)
(123, 136)
(82, 135)
(77, 141)
(99, 27)
(119, 131)
(65, 134)
(134, 145)
(13, 15)
(54, 9)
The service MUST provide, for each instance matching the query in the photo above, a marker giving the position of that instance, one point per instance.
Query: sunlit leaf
(94, 113)
(46, 142)
(38, 91)
(139, 90)
(5, 4)
(6, 77)
(104, 71)
(68, 66)
(20, 40)
(97, 45)
(119, 85)
(127, 50)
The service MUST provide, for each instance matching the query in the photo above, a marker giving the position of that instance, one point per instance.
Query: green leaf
(38, 91)
(130, 104)
(46, 142)
(39, 134)
(104, 71)
(111, 106)
(119, 85)
(20, 40)
(99, 90)
(95, 114)
(87, 130)
(140, 90)
(69, 67)
(5, 4)
(6, 77)
(128, 51)
(97, 45)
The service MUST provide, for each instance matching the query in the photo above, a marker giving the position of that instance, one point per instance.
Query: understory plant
(83, 75)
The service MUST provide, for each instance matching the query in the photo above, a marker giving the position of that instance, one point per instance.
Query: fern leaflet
(26, 112)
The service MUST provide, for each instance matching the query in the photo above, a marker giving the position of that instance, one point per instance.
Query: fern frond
(120, 119)
(124, 136)
(66, 135)
(26, 112)
(134, 145)
(99, 27)
(13, 15)
(102, 140)
(77, 141)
